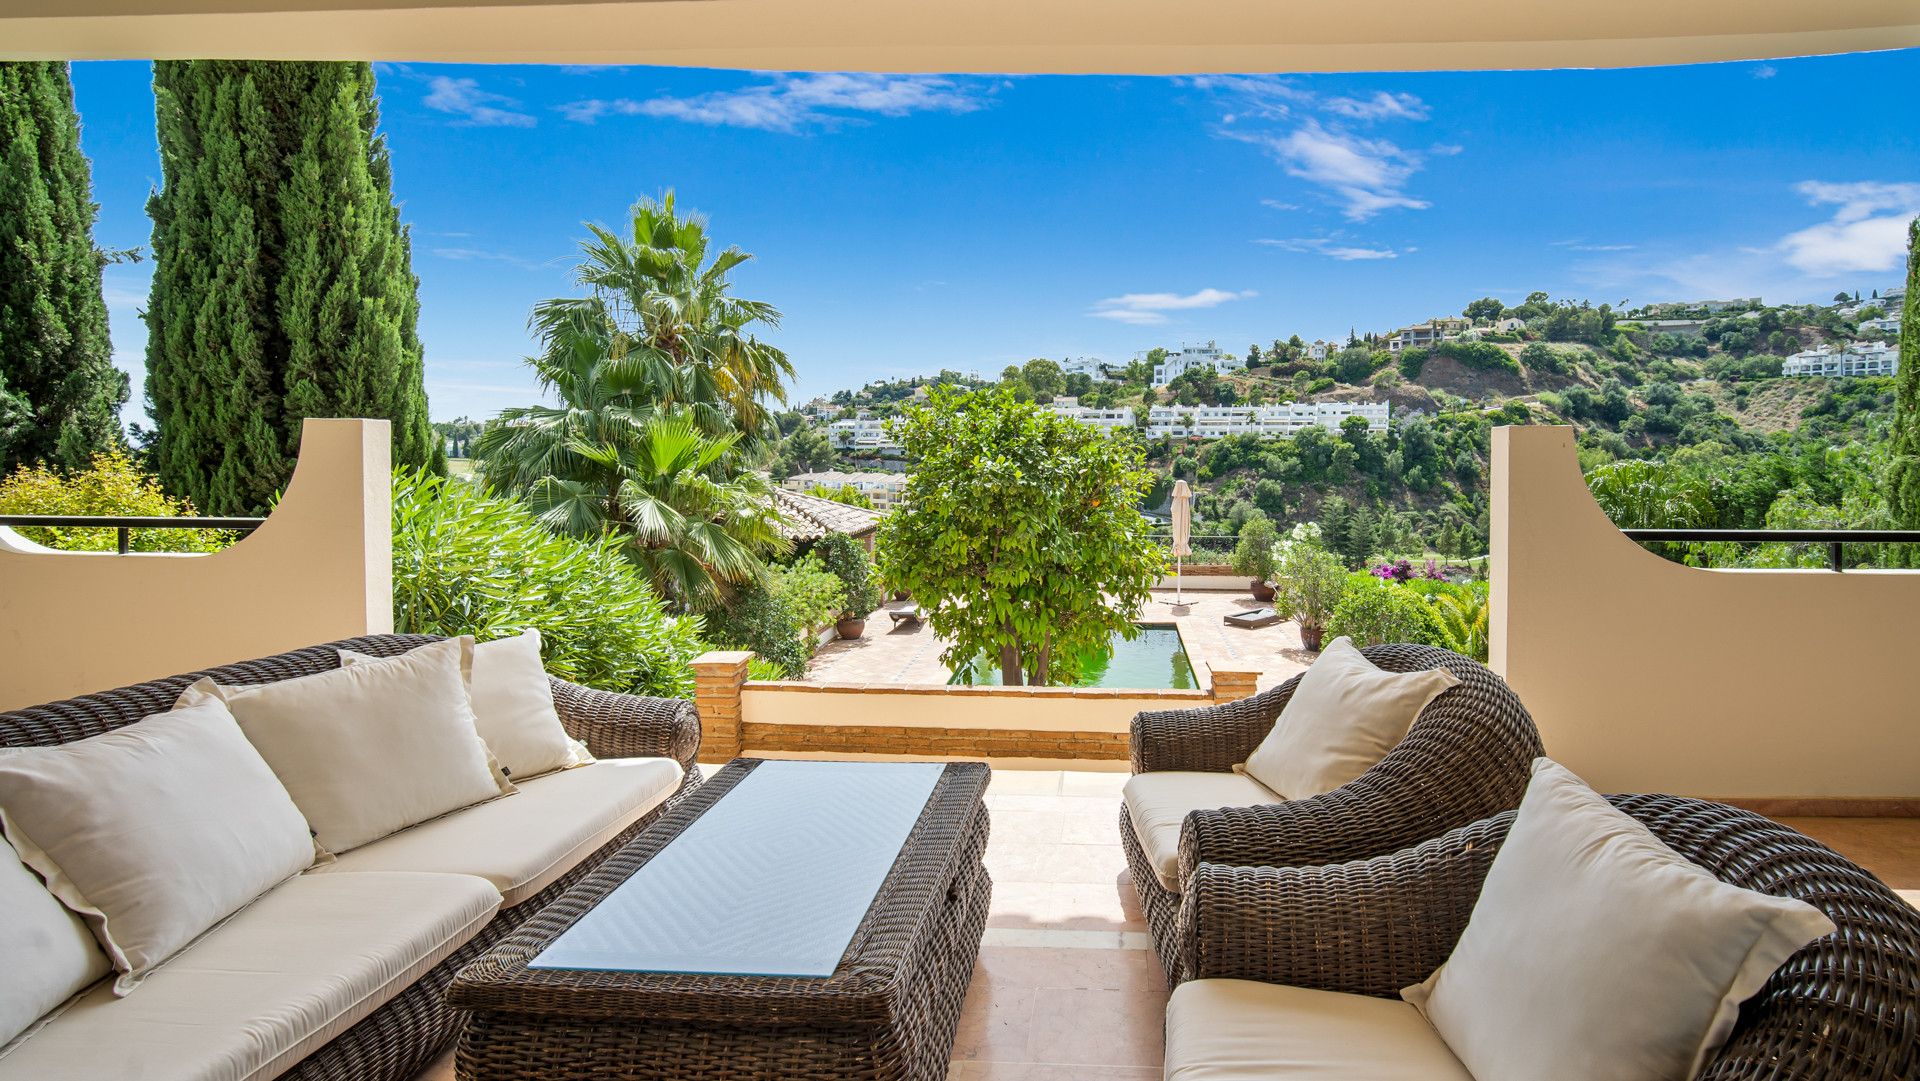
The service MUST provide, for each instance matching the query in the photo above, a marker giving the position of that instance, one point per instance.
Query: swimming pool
(1155, 659)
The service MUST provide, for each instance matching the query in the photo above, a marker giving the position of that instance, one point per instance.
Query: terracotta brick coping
(962, 691)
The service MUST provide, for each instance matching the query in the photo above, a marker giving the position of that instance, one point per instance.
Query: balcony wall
(319, 569)
(1787, 689)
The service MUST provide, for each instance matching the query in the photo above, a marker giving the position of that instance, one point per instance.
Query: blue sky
(909, 223)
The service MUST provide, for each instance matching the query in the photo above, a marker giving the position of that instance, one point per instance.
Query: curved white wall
(1645, 675)
(320, 568)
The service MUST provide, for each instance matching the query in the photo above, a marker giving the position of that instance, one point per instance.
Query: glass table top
(772, 880)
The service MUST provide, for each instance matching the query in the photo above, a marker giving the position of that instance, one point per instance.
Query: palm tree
(662, 389)
(599, 468)
(663, 318)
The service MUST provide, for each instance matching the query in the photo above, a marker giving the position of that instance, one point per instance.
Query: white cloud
(1267, 97)
(1367, 176)
(1383, 105)
(1765, 71)
(791, 103)
(1332, 248)
(1275, 204)
(1868, 230)
(476, 107)
(484, 255)
(1583, 245)
(1148, 309)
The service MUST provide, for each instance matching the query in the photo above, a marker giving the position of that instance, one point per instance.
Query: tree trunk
(1044, 662)
(1010, 674)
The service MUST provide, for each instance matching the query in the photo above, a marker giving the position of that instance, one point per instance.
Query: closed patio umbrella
(1182, 535)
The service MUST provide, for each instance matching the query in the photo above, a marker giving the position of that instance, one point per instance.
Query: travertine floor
(910, 652)
(1068, 989)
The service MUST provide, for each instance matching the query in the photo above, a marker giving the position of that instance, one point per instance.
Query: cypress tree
(60, 394)
(283, 286)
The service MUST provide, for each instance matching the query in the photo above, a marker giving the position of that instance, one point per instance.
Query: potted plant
(1253, 556)
(1313, 580)
(845, 557)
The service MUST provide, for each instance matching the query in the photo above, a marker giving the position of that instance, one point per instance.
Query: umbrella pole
(1179, 582)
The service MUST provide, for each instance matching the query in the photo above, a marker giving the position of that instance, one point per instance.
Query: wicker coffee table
(690, 970)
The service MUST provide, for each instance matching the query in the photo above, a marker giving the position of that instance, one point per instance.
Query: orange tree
(1019, 537)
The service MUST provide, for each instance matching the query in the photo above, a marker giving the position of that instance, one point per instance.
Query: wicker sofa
(389, 1031)
(1845, 1006)
(1467, 756)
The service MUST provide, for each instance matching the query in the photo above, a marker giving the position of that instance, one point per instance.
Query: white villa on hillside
(1191, 357)
(1320, 350)
(1091, 367)
(1425, 335)
(864, 433)
(1860, 358)
(885, 489)
(1216, 421)
(1886, 324)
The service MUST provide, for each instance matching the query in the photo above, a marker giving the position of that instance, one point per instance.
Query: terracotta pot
(1311, 637)
(1262, 591)
(851, 628)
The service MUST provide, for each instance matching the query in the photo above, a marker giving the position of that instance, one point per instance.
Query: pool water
(1155, 659)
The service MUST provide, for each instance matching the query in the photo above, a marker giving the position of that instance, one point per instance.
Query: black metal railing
(124, 525)
(1833, 540)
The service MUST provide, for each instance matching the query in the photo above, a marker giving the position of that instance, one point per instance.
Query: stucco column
(717, 679)
(1231, 686)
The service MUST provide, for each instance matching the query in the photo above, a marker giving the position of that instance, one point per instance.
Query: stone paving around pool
(909, 652)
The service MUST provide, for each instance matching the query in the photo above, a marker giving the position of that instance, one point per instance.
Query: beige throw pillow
(1597, 953)
(153, 832)
(49, 954)
(369, 750)
(1341, 720)
(513, 707)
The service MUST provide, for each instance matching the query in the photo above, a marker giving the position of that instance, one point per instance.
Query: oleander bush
(468, 563)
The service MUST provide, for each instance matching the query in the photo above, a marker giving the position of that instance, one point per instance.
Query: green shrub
(814, 595)
(468, 563)
(758, 620)
(1485, 356)
(1373, 612)
(847, 559)
(1309, 581)
(1412, 360)
(111, 486)
(1253, 556)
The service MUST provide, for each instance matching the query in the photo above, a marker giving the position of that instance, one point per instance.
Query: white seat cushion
(153, 832)
(268, 987)
(1342, 719)
(1157, 803)
(513, 707)
(49, 954)
(1586, 914)
(523, 844)
(371, 749)
(1239, 1030)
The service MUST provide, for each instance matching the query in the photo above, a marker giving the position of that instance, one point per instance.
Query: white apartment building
(1191, 357)
(1216, 421)
(863, 433)
(885, 489)
(1888, 324)
(1860, 358)
(1104, 419)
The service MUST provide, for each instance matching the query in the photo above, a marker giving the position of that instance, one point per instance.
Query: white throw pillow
(369, 750)
(49, 955)
(1597, 953)
(513, 707)
(1342, 719)
(153, 832)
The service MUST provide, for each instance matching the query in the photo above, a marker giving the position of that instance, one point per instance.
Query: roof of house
(806, 517)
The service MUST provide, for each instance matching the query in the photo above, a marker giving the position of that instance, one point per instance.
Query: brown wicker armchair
(1846, 1006)
(1467, 756)
(395, 1041)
